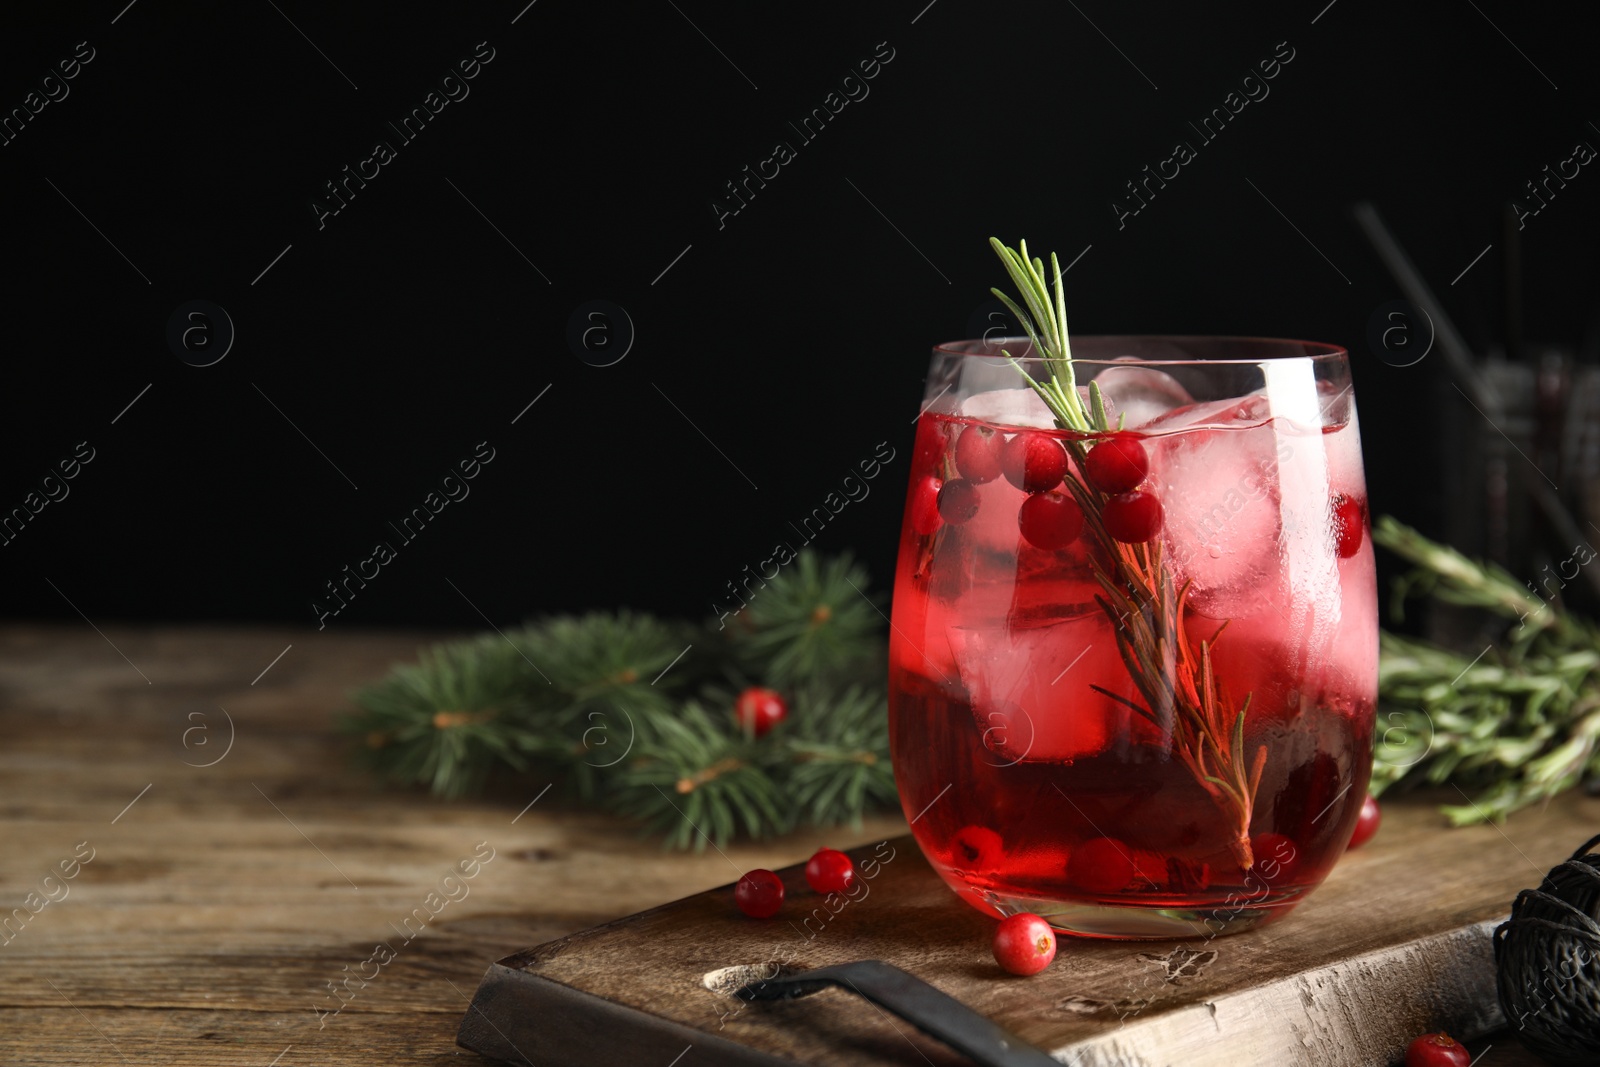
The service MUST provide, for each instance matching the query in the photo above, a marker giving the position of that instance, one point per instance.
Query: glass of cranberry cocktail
(1133, 662)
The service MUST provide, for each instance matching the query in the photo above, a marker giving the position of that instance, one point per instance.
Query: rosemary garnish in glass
(1182, 695)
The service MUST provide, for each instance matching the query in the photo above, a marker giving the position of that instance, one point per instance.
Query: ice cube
(1021, 408)
(1140, 394)
(1231, 413)
(1309, 600)
(1350, 674)
(1352, 658)
(1216, 476)
(1246, 500)
(1009, 407)
(1344, 459)
(1029, 688)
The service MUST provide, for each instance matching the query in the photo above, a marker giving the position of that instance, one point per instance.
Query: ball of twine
(1548, 959)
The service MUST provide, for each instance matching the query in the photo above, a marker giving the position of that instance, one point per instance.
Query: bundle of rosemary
(1507, 727)
(639, 714)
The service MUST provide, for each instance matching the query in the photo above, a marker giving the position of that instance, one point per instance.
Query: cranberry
(1101, 865)
(1050, 520)
(1437, 1050)
(1132, 518)
(1116, 464)
(958, 501)
(1024, 944)
(1033, 462)
(975, 848)
(759, 894)
(1277, 857)
(1366, 823)
(1349, 524)
(978, 454)
(924, 505)
(929, 444)
(759, 710)
(830, 871)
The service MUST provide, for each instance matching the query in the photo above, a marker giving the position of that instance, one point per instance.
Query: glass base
(1128, 922)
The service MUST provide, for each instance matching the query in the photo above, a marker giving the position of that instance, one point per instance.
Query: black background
(795, 338)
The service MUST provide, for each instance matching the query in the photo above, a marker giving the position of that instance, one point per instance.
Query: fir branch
(700, 782)
(445, 720)
(840, 748)
(601, 654)
(614, 675)
(624, 709)
(815, 617)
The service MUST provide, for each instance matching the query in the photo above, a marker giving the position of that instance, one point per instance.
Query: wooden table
(222, 900)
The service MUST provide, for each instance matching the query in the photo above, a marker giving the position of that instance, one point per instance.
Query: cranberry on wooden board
(759, 894)
(1366, 823)
(1024, 944)
(830, 871)
(1437, 1050)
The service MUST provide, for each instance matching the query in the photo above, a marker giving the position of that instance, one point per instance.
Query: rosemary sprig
(1182, 694)
(1060, 393)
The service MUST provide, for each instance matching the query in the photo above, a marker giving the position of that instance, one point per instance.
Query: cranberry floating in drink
(1134, 693)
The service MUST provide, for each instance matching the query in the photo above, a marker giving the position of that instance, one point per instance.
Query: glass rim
(1290, 349)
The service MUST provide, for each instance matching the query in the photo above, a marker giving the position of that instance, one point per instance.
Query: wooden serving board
(1396, 943)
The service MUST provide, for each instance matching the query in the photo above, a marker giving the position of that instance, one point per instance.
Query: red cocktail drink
(1133, 672)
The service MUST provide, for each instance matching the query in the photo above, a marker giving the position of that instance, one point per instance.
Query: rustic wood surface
(1394, 944)
(221, 900)
(217, 908)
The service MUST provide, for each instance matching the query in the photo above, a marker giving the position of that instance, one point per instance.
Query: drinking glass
(1133, 673)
